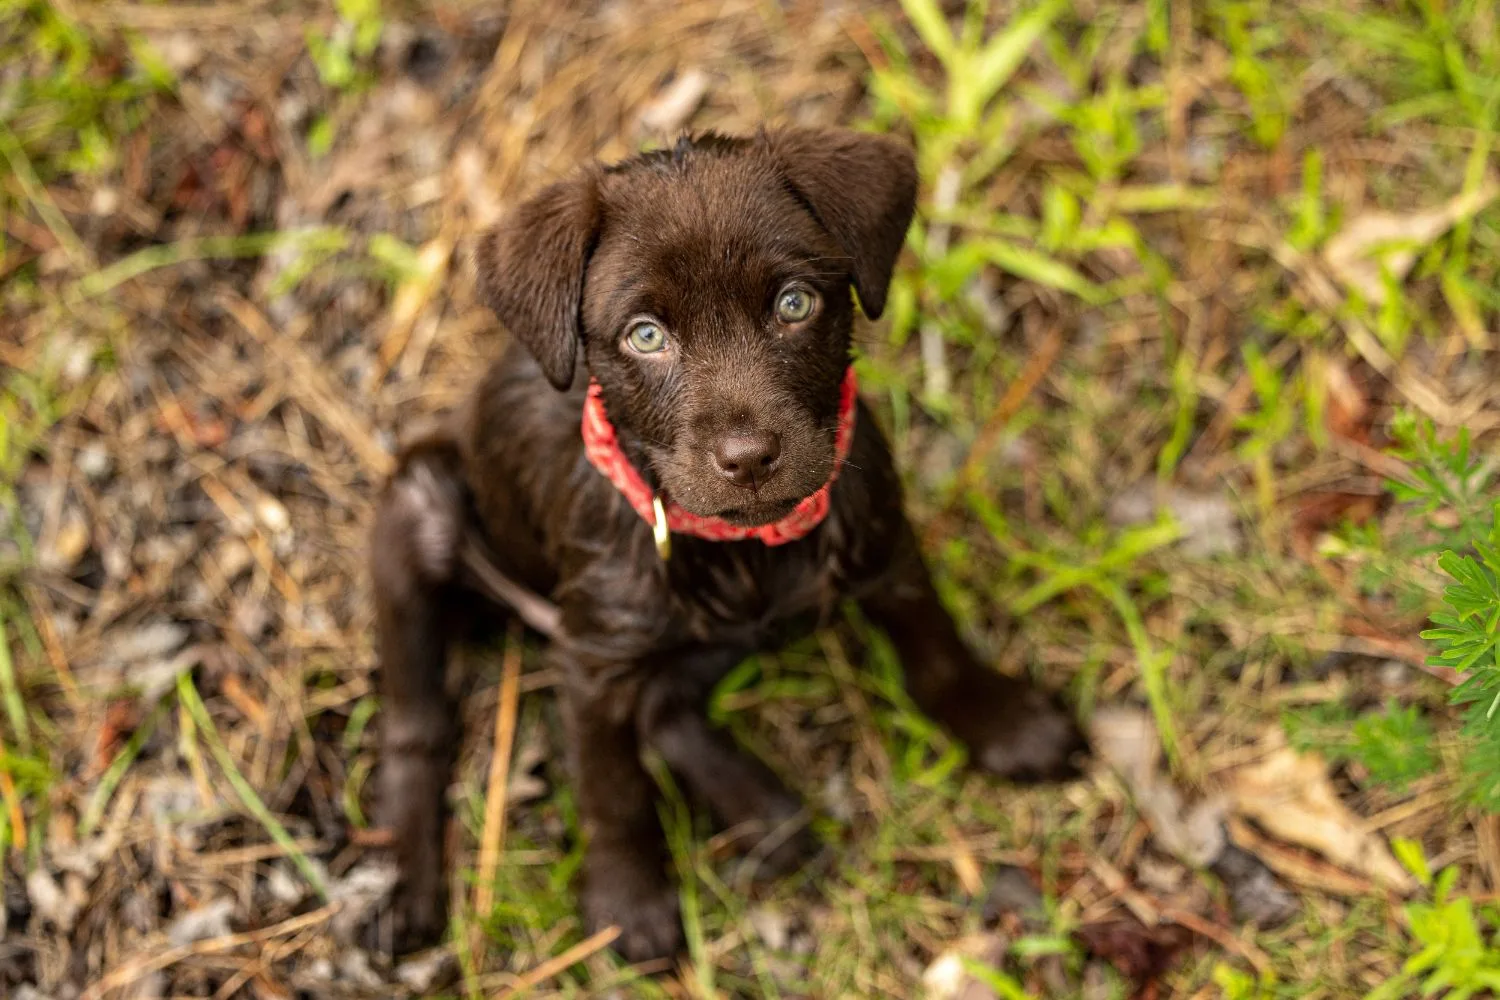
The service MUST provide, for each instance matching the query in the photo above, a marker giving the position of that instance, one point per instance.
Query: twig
(553, 966)
(492, 840)
(124, 975)
(965, 865)
(1016, 393)
(1219, 935)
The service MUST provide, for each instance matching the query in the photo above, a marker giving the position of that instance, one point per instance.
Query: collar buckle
(659, 529)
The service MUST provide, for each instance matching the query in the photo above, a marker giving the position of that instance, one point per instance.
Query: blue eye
(646, 337)
(795, 304)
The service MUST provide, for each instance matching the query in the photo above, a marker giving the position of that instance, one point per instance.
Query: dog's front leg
(743, 794)
(417, 526)
(625, 879)
(1011, 727)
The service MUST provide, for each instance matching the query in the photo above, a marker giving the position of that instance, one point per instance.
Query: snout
(747, 459)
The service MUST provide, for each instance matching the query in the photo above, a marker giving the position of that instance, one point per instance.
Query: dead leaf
(1347, 413)
(69, 545)
(1290, 796)
(1356, 254)
(1318, 513)
(120, 719)
(948, 979)
(671, 109)
(1298, 866)
(1139, 953)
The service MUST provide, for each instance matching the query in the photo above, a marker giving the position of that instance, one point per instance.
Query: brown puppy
(706, 290)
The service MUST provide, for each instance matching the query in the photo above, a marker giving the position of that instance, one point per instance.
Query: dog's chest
(751, 594)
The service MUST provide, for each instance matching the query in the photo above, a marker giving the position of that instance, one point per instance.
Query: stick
(124, 975)
(553, 966)
(492, 840)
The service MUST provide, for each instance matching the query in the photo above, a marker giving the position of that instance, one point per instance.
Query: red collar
(602, 446)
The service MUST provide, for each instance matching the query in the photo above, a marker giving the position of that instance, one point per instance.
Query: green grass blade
(113, 774)
(168, 254)
(187, 695)
(1153, 663)
(1003, 54)
(15, 705)
(1038, 267)
(932, 26)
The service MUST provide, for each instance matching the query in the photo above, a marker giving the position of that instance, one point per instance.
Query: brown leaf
(675, 105)
(1317, 513)
(68, 546)
(1140, 954)
(120, 719)
(1291, 797)
(1348, 413)
(1356, 254)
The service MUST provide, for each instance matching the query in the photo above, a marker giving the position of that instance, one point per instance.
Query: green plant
(1451, 487)
(65, 114)
(338, 55)
(1268, 425)
(1237, 985)
(1247, 31)
(1458, 948)
(965, 131)
(1468, 641)
(1394, 744)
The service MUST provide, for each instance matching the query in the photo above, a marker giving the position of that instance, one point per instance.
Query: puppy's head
(707, 287)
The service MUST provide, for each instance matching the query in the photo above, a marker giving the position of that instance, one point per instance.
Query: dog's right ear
(530, 270)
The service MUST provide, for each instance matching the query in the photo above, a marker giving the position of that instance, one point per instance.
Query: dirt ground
(215, 332)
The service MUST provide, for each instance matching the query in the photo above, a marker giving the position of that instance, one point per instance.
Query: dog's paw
(1015, 730)
(407, 919)
(638, 899)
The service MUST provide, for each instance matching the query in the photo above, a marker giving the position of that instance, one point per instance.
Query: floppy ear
(530, 270)
(862, 188)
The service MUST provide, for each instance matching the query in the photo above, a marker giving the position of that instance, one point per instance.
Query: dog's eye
(646, 337)
(795, 304)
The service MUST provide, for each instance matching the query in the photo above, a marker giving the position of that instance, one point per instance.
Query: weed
(1459, 945)
(338, 56)
(1394, 744)
(1249, 32)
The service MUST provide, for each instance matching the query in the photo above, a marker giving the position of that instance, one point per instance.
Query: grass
(1118, 286)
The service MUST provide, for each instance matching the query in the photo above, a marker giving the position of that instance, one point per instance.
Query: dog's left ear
(862, 188)
(530, 270)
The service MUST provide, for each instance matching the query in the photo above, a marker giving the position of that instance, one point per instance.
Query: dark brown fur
(703, 238)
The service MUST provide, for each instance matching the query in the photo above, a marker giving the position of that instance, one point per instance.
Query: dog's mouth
(758, 513)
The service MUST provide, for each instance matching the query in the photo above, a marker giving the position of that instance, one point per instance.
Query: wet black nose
(747, 458)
